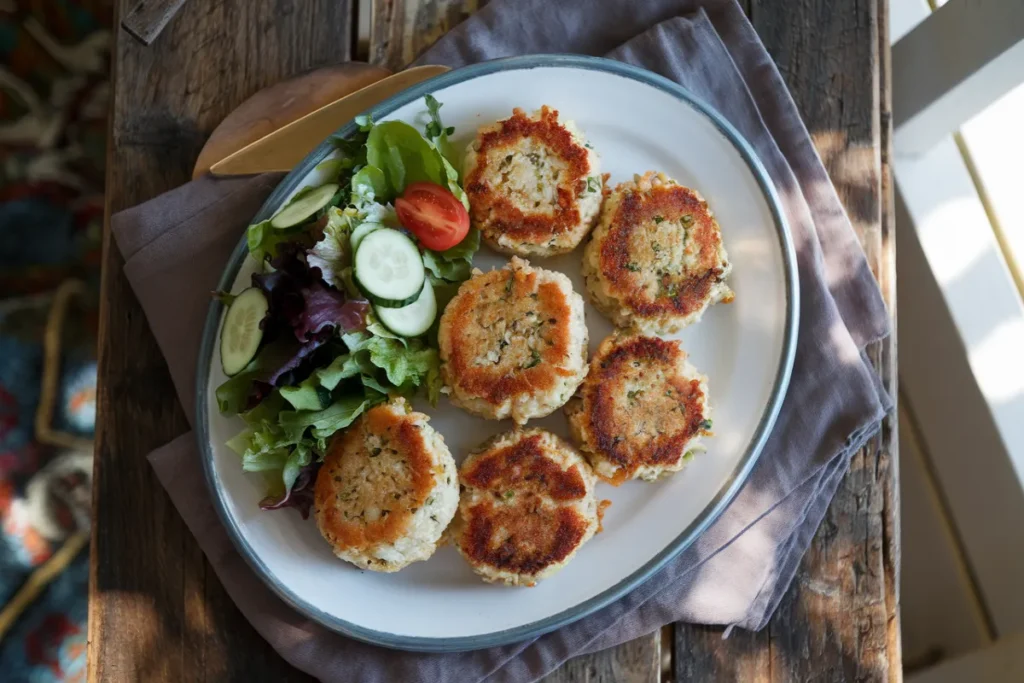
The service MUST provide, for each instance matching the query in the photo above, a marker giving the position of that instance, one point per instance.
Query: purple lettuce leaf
(298, 299)
(300, 496)
(329, 308)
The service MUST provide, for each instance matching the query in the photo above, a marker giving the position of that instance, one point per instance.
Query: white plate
(636, 121)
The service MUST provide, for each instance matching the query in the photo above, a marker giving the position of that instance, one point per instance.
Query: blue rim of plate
(710, 513)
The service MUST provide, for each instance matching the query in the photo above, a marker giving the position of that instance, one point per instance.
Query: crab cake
(656, 260)
(642, 410)
(387, 489)
(513, 343)
(527, 506)
(534, 184)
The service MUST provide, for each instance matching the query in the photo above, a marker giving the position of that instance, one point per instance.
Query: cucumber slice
(388, 268)
(303, 206)
(241, 335)
(360, 232)
(414, 319)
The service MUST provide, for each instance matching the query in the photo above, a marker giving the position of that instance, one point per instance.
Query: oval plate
(636, 121)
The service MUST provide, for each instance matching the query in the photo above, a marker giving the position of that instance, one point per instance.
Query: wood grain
(839, 621)
(638, 661)
(402, 29)
(156, 610)
(148, 18)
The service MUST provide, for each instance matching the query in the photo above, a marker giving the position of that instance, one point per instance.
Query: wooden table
(158, 613)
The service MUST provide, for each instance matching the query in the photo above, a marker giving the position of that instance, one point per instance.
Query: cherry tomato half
(433, 214)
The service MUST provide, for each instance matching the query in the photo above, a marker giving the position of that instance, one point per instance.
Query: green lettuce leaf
(405, 157)
(308, 395)
(314, 393)
(233, 394)
(263, 240)
(301, 456)
(326, 422)
(455, 264)
(403, 364)
(368, 184)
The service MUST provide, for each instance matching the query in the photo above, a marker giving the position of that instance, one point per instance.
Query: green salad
(343, 310)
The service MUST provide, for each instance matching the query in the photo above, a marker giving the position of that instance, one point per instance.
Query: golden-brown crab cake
(527, 505)
(656, 261)
(387, 490)
(642, 410)
(534, 184)
(513, 343)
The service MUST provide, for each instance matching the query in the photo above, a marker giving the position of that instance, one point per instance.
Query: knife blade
(282, 149)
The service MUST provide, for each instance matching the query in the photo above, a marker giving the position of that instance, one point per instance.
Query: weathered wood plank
(700, 653)
(148, 18)
(401, 29)
(638, 661)
(839, 620)
(157, 611)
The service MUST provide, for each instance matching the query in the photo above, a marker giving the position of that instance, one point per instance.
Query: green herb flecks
(659, 219)
(534, 358)
(687, 220)
(705, 425)
(668, 289)
(593, 184)
(632, 267)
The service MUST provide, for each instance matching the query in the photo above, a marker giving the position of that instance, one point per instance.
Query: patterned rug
(53, 109)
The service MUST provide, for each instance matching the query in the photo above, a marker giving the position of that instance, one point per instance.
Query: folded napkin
(738, 570)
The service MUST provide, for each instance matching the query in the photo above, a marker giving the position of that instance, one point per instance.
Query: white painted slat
(952, 65)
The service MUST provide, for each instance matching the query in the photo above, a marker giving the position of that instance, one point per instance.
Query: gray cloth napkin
(738, 570)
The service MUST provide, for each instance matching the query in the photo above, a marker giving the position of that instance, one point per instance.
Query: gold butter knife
(283, 149)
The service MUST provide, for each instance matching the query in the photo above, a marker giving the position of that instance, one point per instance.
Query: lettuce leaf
(403, 364)
(300, 494)
(404, 156)
(331, 254)
(368, 184)
(455, 264)
(314, 393)
(263, 240)
(299, 301)
(273, 362)
(338, 415)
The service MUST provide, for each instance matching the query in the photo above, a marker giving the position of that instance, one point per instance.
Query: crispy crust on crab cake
(642, 411)
(656, 260)
(387, 490)
(534, 184)
(513, 343)
(527, 505)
